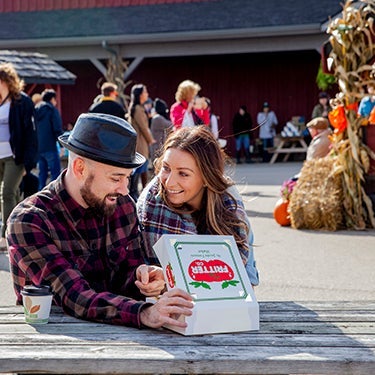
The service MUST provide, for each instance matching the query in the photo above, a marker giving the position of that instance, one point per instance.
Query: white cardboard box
(209, 267)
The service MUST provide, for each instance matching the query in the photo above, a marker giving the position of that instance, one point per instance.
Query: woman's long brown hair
(210, 158)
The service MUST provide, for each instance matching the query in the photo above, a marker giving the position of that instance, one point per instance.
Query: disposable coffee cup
(37, 302)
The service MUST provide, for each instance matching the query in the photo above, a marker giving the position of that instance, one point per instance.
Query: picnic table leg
(276, 153)
(274, 157)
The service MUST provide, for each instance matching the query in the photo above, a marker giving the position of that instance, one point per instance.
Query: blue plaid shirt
(156, 219)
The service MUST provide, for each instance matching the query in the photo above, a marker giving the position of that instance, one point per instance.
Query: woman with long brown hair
(137, 117)
(18, 140)
(190, 194)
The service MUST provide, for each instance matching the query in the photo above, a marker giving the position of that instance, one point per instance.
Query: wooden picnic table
(294, 338)
(288, 146)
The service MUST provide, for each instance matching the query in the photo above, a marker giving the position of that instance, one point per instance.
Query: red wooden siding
(44, 5)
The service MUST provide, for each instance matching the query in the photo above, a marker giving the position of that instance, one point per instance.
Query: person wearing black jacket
(18, 140)
(241, 125)
(107, 101)
(49, 128)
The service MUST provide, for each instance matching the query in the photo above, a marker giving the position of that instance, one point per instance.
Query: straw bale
(316, 201)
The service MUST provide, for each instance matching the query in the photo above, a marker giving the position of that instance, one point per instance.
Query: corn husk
(353, 49)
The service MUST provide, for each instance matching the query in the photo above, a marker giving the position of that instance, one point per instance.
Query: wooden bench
(294, 338)
(288, 146)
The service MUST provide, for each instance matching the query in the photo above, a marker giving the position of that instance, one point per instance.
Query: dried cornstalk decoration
(316, 200)
(353, 50)
(116, 68)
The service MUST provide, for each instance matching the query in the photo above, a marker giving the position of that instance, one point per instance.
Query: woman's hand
(150, 280)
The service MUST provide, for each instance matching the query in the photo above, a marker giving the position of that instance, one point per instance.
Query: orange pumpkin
(280, 212)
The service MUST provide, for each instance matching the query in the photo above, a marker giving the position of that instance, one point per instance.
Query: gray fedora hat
(104, 138)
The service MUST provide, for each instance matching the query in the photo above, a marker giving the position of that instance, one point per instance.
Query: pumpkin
(280, 212)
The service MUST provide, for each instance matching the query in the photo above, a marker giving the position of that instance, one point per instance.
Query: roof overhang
(267, 39)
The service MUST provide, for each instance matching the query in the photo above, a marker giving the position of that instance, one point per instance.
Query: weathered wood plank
(86, 339)
(277, 306)
(265, 316)
(294, 338)
(206, 360)
(265, 328)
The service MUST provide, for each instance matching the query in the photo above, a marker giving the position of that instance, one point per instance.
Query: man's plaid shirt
(89, 261)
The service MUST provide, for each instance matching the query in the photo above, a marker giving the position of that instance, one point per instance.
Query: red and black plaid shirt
(89, 261)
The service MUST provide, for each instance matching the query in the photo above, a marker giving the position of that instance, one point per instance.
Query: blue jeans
(243, 140)
(48, 161)
(267, 143)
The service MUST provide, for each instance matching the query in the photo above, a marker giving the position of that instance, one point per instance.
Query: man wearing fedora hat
(80, 234)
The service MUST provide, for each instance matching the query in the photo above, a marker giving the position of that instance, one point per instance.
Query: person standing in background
(322, 108)
(49, 128)
(189, 110)
(367, 103)
(138, 118)
(30, 181)
(161, 126)
(149, 106)
(241, 125)
(18, 140)
(36, 98)
(107, 102)
(267, 121)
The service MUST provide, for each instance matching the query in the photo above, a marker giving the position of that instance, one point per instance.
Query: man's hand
(150, 280)
(168, 309)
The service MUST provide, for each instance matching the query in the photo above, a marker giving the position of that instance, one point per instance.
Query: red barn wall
(285, 80)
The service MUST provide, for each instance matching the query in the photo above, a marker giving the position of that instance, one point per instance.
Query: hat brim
(137, 161)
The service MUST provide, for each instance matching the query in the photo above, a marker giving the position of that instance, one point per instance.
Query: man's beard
(98, 205)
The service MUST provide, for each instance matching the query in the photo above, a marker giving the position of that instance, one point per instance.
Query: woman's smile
(181, 178)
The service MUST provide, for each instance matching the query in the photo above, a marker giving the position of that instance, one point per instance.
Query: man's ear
(79, 168)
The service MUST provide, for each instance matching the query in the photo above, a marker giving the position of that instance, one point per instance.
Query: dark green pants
(10, 179)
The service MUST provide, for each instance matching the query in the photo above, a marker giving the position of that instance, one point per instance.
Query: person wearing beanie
(80, 235)
(49, 128)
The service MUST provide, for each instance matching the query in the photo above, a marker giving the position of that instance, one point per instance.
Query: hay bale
(316, 201)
